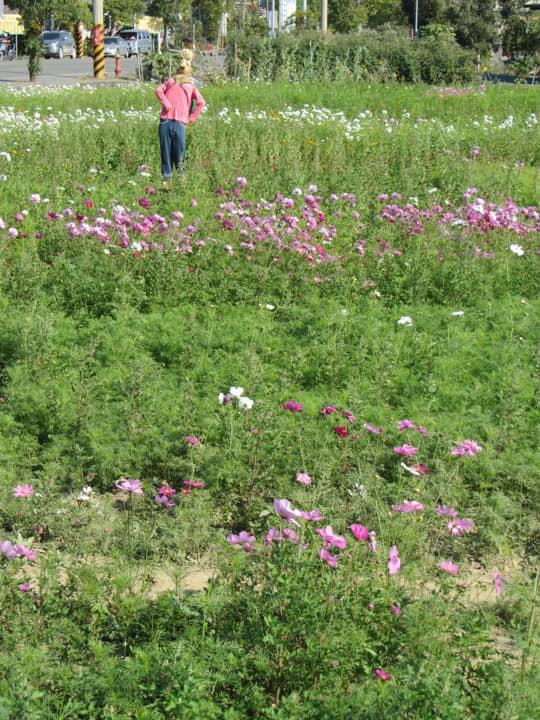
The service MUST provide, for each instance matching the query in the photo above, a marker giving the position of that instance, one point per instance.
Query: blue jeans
(172, 137)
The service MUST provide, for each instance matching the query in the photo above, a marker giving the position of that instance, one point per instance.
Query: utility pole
(324, 16)
(97, 39)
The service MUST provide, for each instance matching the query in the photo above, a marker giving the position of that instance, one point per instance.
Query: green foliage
(113, 358)
(366, 56)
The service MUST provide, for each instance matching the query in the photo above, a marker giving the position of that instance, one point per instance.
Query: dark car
(58, 43)
(115, 46)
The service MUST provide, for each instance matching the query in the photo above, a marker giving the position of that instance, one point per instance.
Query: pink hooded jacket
(176, 101)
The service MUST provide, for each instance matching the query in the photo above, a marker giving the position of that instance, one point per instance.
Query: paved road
(81, 70)
(66, 71)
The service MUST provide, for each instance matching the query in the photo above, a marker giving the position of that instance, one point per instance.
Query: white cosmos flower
(236, 392)
(516, 249)
(405, 320)
(458, 313)
(244, 403)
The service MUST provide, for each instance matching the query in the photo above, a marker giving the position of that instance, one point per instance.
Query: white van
(139, 41)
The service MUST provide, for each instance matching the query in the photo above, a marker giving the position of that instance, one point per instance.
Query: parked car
(58, 43)
(139, 41)
(115, 45)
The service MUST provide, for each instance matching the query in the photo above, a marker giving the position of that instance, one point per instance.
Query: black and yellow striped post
(78, 36)
(99, 51)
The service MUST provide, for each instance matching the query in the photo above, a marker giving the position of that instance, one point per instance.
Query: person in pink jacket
(181, 104)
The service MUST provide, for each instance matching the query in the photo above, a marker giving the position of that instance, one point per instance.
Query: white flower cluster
(236, 393)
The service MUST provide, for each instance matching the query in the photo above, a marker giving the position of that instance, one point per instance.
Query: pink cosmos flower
(23, 551)
(293, 406)
(291, 535)
(330, 559)
(449, 567)
(348, 415)
(422, 469)
(193, 484)
(8, 550)
(330, 538)
(459, 526)
(273, 535)
(470, 448)
(283, 509)
(497, 579)
(313, 515)
(164, 500)
(372, 543)
(359, 532)
(328, 410)
(406, 425)
(25, 587)
(303, 478)
(395, 610)
(445, 510)
(130, 486)
(394, 563)
(382, 675)
(241, 538)
(405, 449)
(408, 506)
(23, 491)
(374, 430)
(191, 440)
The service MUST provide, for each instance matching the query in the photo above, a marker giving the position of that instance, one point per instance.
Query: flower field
(269, 441)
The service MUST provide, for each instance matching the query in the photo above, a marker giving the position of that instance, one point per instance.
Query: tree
(474, 24)
(208, 13)
(345, 15)
(61, 14)
(521, 38)
(123, 11)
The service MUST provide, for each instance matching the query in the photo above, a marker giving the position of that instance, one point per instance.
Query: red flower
(341, 431)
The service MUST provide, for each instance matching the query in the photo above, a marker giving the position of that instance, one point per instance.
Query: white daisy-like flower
(405, 320)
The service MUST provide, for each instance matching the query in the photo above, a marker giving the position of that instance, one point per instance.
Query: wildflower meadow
(269, 436)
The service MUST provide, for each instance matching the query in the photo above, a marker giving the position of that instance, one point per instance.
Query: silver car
(58, 43)
(115, 46)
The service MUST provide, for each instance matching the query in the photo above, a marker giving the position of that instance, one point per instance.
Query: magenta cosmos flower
(341, 431)
(330, 538)
(359, 532)
(408, 506)
(406, 449)
(129, 485)
(192, 440)
(328, 557)
(284, 510)
(293, 406)
(23, 491)
(382, 675)
(470, 448)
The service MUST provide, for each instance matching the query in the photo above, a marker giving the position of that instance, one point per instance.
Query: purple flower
(23, 551)
(273, 535)
(459, 526)
(328, 557)
(130, 486)
(164, 500)
(293, 406)
(449, 567)
(445, 510)
(405, 449)
(8, 550)
(469, 448)
(313, 515)
(408, 506)
(330, 538)
(23, 491)
(359, 532)
(283, 509)
(291, 535)
(406, 425)
(394, 563)
(497, 579)
(191, 440)
(382, 675)
(328, 410)
(374, 430)
(394, 609)
(241, 538)
(348, 415)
